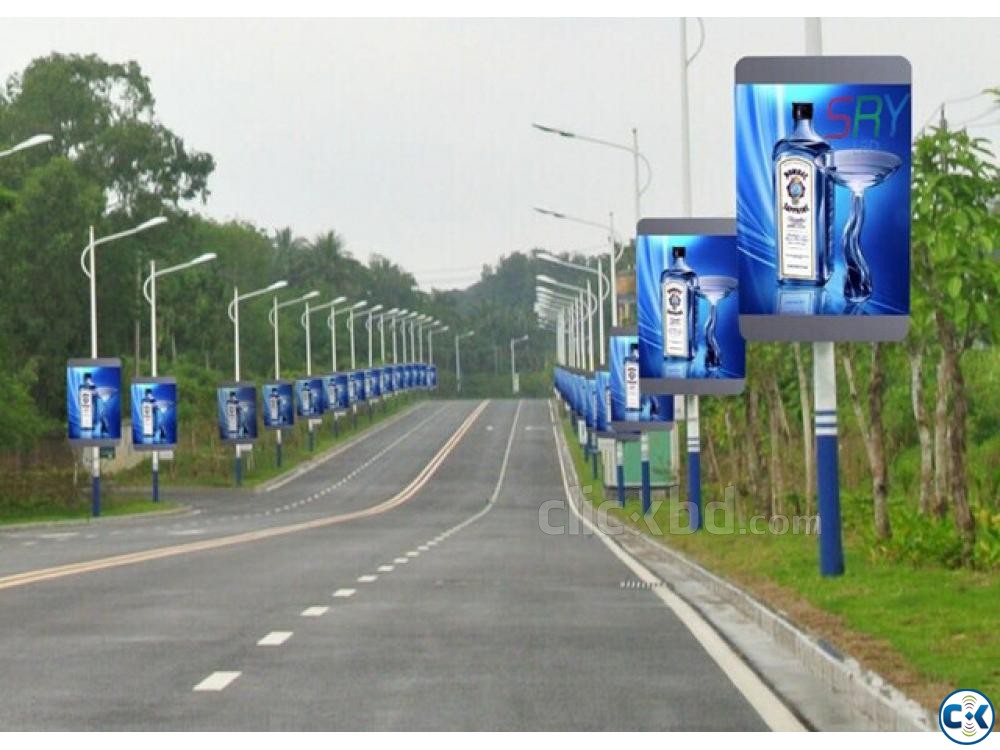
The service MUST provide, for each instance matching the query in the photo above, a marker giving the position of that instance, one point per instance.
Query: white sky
(412, 138)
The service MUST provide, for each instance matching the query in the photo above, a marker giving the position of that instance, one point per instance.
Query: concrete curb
(864, 691)
(71, 522)
(867, 692)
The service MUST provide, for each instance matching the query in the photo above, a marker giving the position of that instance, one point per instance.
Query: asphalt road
(405, 584)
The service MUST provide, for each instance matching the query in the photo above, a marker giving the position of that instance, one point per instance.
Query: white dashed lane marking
(275, 638)
(401, 560)
(386, 568)
(315, 611)
(217, 681)
(423, 548)
(343, 593)
(367, 579)
(413, 553)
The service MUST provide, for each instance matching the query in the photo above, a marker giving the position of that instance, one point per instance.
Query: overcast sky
(412, 138)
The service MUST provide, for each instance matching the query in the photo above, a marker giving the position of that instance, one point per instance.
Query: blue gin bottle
(633, 398)
(233, 416)
(87, 401)
(803, 204)
(147, 411)
(679, 306)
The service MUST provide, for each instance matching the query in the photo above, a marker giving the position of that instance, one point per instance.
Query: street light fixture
(637, 156)
(614, 252)
(548, 257)
(331, 306)
(149, 292)
(592, 307)
(35, 140)
(90, 271)
(272, 318)
(437, 328)
(513, 370)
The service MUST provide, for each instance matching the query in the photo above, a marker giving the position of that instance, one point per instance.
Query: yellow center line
(131, 558)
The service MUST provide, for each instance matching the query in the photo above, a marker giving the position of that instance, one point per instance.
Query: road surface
(404, 584)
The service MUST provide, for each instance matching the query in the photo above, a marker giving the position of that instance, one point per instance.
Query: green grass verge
(206, 462)
(111, 505)
(928, 629)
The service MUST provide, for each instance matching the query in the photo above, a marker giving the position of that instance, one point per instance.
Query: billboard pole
(831, 552)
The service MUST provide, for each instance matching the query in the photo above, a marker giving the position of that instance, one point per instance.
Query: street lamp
(89, 270)
(331, 306)
(590, 312)
(437, 328)
(599, 271)
(371, 354)
(234, 315)
(458, 360)
(570, 309)
(513, 370)
(356, 307)
(421, 321)
(614, 252)
(35, 140)
(272, 318)
(637, 156)
(149, 292)
(393, 317)
(408, 353)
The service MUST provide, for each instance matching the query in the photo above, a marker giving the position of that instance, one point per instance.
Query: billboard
(823, 197)
(687, 297)
(632, 410)
(385, 375)
(358, 386)
(310, 401)
(344, 399)
(93, 401)
(432, 377)
(237, 412)
(154, 413)
(374, 385)
(602, 380)
(331, 395)
(278, 401)
(397, 378)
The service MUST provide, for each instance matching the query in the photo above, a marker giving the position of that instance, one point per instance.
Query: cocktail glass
(714, 289)
(857, 170)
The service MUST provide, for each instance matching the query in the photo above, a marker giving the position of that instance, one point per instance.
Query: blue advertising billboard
(310, 401)
(687, 297)
(237, 412)
(602, 380)
(154, 413)
(331, 396)
(397, 378)
(374, 384)
(432, 377)
(344, 389)
(93, 401)
(385, 375)
(632, 410)
(358, 385)
(823, 197)
(278, 401)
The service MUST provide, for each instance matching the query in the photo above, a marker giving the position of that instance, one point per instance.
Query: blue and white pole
(647, 489)
(620, 471)
(694, 461)
(831, 551)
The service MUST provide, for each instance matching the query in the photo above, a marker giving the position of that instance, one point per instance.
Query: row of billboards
(94, 401)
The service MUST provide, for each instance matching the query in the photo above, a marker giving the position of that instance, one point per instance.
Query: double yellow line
(105, 563)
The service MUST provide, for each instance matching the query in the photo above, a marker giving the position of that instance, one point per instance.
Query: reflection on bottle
(232, 416)
(632, 393)
(87, 400)
(147, 410)
(679, 307)
(803, 203)
(274, 407)
(799, 300)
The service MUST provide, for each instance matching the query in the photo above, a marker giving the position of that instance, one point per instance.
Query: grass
(111, 505)
(204, 461)
(927, 629)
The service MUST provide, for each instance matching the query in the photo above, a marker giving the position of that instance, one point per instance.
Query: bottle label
(272, 405)
(86, 409)
(331, 395)
(633, 400)
(306, 401)
(231, 420)
(675, 323)
(147, 419)
(796, 180)
(607, 404)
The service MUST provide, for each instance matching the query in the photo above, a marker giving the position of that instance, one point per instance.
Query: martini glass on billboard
(714, 289)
